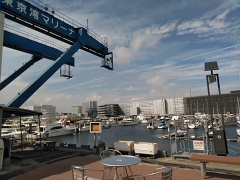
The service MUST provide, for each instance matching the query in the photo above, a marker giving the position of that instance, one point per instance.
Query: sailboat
(237, 116)
(238, 119)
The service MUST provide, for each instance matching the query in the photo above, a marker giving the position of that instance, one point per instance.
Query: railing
(234, 151)
(186, 146)
(33, 37)
(43, 6)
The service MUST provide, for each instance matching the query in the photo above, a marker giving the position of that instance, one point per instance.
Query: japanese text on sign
(198, 145)
(38, 15)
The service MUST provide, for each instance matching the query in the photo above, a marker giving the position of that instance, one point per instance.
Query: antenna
(238, 78)
(87, 22)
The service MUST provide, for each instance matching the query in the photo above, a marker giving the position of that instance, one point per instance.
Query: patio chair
(108, 153)
(164, 173)
(81, 173)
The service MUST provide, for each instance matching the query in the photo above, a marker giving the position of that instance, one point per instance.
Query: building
(229, 103)
(177, 106)
(109, 110)
(77, 110)
(154, 107)
(174, 106)
(48, 111)
(89, 108)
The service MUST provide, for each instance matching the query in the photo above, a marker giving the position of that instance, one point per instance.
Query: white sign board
(95, 127)
(198, 145)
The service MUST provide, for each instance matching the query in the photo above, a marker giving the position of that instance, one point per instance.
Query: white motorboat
(238, 131)
(109, 122)
(151, 125)
(14, 132)
(192, 126)
(84, 127)
(112, 121)
(51, 130)
(8, 128)
(127, 121)
(238, 122)
(181, 132)
(144, 121)
(6, 135)
(141, 118)
(19, 134)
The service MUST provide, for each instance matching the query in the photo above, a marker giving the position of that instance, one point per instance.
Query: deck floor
(50, 165)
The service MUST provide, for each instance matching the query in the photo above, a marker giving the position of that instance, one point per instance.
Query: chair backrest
(166, 172)
(78, 172)
(81, 173)
(109, 152)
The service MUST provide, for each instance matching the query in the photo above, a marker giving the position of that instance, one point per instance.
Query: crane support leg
(2, 16)
(18, 72)
(32, 88)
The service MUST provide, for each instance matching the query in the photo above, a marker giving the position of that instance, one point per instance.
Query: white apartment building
(77, 110)
(48, 111)
(157, 107)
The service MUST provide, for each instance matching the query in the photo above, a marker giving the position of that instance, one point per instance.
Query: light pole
(219, 133)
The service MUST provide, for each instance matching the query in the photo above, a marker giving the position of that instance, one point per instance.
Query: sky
(159, 47)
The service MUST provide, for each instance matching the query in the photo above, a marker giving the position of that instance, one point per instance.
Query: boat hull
(128, 123)
(54, 133)
(238, 132)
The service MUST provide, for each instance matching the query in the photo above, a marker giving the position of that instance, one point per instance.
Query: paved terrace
(51, 165)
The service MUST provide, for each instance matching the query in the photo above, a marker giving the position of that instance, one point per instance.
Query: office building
(48, 111)
(77, 110)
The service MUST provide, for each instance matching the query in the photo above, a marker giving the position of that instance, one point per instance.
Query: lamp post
(218, 134)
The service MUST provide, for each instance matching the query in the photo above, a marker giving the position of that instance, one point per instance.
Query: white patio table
(120, 161)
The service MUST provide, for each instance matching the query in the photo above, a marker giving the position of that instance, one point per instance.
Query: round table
(120, 161)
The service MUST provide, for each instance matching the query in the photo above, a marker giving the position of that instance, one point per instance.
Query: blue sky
(159, 47)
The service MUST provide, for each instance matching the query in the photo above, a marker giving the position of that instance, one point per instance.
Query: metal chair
(108, 153)
(164, 173)
(81, 173)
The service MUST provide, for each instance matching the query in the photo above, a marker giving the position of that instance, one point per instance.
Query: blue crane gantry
(37, 18)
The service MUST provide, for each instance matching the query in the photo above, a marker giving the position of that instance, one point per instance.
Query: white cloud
(130, 88)
(93, 97)
(156, 81)
(122, 55)
(137, 99)
(163, 50)
(200, 26)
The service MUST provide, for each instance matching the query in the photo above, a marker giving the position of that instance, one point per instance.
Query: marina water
(137, 133)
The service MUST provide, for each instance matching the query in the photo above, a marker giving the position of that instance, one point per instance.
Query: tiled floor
(61, 170)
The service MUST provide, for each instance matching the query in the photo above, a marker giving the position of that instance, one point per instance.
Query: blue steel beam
(18, 72)
(25, 13)
(32, 88)
(26, 45)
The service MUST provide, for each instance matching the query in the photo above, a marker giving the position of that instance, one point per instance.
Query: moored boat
(84, 127)
(141, 118)
(162, 125)
(238, 131)
(127, 121)
(192, 126)
(50, 130)
(151, 125)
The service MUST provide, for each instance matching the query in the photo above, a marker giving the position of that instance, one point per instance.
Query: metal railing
(41, 5)
(33, 37)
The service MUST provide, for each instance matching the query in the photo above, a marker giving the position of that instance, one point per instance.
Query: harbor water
(137, 133)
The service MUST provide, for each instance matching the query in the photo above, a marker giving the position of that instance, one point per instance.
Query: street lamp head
(209, 66)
